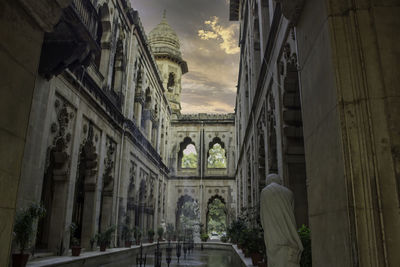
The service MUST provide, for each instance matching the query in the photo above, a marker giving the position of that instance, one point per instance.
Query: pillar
(352, 142)
(139, 101)
(22, 27)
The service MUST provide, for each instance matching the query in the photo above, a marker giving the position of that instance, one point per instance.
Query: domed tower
(165, 45)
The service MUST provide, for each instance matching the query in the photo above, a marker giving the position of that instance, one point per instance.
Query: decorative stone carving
(108, 179)
(90, 158)
(59, 157)
(281, 239)
(139, 97)
(291, 9)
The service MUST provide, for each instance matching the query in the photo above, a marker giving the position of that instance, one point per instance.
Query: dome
(164, 42)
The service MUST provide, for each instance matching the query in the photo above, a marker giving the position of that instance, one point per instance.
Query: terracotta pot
(255, 258)
(103, 247)
(20, 260)
(75, 250)
(128, 244)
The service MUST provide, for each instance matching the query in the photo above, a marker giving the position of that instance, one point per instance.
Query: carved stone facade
(101, 145)
(316, 104)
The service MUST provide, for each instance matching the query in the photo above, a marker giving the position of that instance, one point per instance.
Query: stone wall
(323, 106)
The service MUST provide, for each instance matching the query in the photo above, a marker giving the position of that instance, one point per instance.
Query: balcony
(72, 43)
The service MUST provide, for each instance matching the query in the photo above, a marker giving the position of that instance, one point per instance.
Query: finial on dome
(164, 14)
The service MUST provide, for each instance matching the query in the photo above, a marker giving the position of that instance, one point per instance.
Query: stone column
(105, 58)
(349, 74)
(148, 123)
(107, 207)
(57, 226)
(22, 27)
(119, 67)
(139, 101)
(89, 207)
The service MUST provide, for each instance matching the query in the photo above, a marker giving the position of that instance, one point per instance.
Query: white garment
(277, 219)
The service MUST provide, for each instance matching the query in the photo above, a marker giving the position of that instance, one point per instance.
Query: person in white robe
(282, 241)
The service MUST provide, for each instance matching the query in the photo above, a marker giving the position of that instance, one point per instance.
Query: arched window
(189, 159)
(171, 81)
(187, 155)
(216, 155)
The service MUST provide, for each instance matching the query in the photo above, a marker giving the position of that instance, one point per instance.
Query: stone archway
(140, 211)
(55, 187)
(85, 191)
(214, 204)
(294, 165)
(180, 210)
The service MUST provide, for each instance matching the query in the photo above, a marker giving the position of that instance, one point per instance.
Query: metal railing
(88, 15)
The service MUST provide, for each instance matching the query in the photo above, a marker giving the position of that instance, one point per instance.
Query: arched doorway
(187, 213)
(140, 216)
(216, 217)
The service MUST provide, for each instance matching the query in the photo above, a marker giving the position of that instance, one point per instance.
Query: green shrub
(235, 230)
(105, 237)
(204, 237)
(150, 233)
(24, 225)
(137, 233)
(74, 241)
(305, 237)
(224, 239)
(126, 232)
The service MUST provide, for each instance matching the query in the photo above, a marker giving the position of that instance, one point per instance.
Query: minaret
(165, 45)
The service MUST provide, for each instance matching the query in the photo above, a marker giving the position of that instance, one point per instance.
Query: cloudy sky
(209, 43)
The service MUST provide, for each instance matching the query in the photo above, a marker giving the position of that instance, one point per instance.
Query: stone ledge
(97, 258)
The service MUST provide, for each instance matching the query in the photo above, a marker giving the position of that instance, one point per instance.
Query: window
(189, 159)
(187, 155)
(216, 155)
(171, 81)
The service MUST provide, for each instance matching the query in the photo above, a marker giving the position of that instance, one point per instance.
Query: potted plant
(137, 233)
(204, 237)
(170, 231)
(104, 238)
(160, 233)
(242, 239)
(305, 237)
(253, 244)
(23, 231)
(235, 230)
(126, 234)
(224, 239)
(75, 244)
(150, 235)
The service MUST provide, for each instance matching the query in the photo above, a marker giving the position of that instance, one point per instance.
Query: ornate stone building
(317, 103)
(105, 134)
